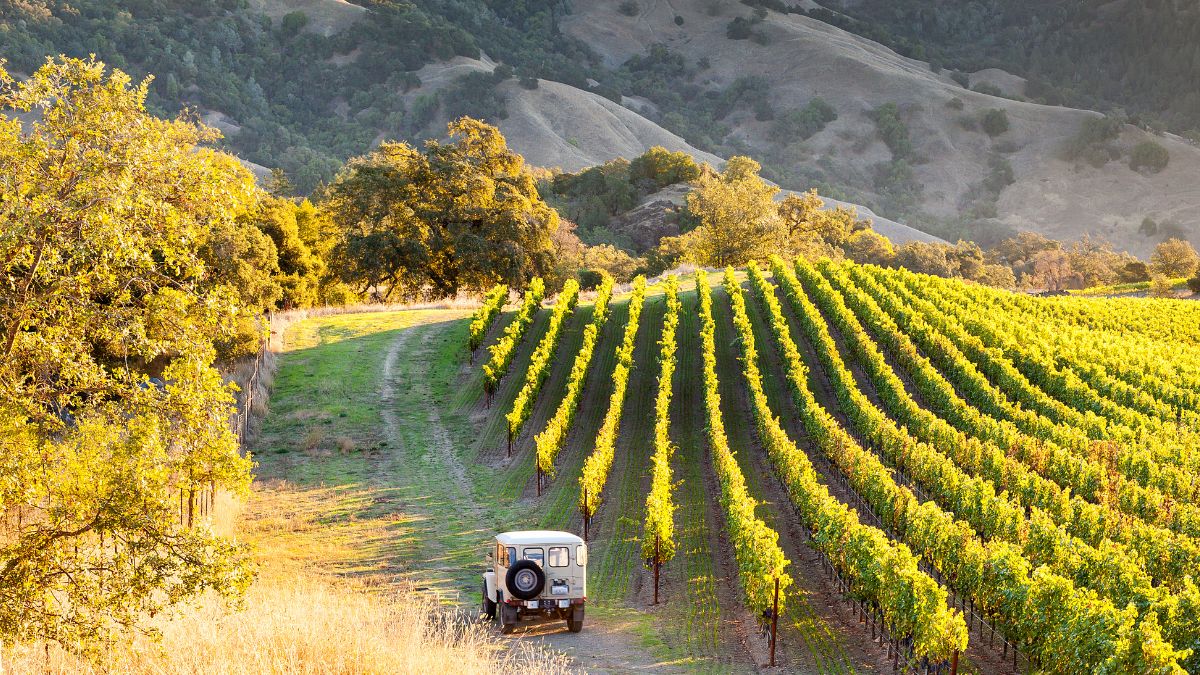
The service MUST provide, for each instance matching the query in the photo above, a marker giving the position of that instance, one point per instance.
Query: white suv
(536, 575)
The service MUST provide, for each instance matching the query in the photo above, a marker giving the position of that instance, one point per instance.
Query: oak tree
(112, 416)
(738, 219)
(460, 215)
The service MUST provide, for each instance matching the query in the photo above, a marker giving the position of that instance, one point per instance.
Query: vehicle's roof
(527, 537)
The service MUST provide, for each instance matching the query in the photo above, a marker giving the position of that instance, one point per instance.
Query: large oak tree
(460, 215)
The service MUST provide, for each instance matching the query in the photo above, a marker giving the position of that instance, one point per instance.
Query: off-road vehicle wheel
(575, 626)
(489, 605)
(508, 619)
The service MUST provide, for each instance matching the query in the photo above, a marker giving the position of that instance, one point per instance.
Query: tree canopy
(110, 408)
(737, 214)
(462, 215)
(1174, 258)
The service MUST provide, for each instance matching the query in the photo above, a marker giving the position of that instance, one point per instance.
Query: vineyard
(981, 481)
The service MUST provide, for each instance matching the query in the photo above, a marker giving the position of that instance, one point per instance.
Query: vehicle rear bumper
(548, 608)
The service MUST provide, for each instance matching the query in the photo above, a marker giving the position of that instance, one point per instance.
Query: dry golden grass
(301, 615)
(307, 624)
(313, 438)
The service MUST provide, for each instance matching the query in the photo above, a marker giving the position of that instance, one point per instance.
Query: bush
(658, 167)
(678, 20)
(293, 22)
(961, 78)
(1149, 228)
(988, 89)
(892, 130)
(590, 279)
(1194, 285)
(805, 123)
(955, 103)
(629, 8)
(995, 122)
(1150, 156)
(1090, 142)
(739, 29)
(1134, 271)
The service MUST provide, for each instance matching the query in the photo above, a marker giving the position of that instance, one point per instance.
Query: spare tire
(525, 580)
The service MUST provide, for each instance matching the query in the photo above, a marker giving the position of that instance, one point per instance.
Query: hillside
(306, 84)
(803, 58)
(558, 126)
(1097, 54)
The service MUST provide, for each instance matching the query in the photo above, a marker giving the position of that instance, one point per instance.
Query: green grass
(1178, 284)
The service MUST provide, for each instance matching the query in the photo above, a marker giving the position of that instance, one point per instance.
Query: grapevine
(549, 442)
(596, 466)
(506, 347)
(658, 537)
(539, 365)
(485, 316)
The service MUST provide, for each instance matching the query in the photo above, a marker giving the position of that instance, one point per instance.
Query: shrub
(1194, 285)
(658, 167)
(1149, 228)
(1161, 287)
(961, 78)
(590, 279)
(293, 22)
(892, 130)
(629, 8)
(989, 89)
(678, 20)
(955, 103)
(1089, 143)
(739, 29)
(806, 122)
(995, 122)
(1150, 156)
(1135, 271)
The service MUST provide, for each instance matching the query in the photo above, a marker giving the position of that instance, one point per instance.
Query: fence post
(586, 518)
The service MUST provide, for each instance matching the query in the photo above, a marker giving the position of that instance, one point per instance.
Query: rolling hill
(803, 58)
(356, 74)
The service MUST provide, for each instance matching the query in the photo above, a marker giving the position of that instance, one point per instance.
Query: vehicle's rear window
(535, 554)
(558, 556)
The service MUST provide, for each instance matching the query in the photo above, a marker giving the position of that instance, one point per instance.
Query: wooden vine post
(657, 563)
(954, 663)
(774, 621)
(586, 518)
